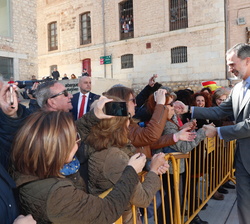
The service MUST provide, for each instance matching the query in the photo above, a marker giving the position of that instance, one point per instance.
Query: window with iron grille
(52, 36)
(85, 26)
(127, 61)
(6, 68)
(126, 20)
(178, 55)
(178, 14)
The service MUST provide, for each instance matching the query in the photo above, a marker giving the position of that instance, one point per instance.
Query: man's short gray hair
(43, 92)
(241, 50)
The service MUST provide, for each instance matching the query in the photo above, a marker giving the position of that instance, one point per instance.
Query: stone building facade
(18, 39)
(238, 22)
(149, 48)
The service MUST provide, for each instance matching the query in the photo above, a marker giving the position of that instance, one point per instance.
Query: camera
(28, 83)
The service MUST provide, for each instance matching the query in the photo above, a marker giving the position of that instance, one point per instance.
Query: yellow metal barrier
(207, 167)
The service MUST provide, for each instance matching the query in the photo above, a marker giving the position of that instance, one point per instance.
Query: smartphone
(11, 95)
(116, 108)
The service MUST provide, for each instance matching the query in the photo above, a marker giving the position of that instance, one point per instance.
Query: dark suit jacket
(241, 113)
(74, 101)
(8, 205)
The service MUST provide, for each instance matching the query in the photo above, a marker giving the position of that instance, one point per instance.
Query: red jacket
(149, 137)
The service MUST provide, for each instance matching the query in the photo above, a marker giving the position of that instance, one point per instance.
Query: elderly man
(82, 101)
(238, 105)
(53, 96)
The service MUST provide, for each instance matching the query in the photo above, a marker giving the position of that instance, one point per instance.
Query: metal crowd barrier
(182, 196)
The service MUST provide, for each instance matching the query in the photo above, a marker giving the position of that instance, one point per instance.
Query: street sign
(105, 60)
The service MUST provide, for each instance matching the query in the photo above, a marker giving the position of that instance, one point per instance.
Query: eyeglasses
(171, 104)
(64, 92)
(133, 100)
(78, 138)
(221, 100)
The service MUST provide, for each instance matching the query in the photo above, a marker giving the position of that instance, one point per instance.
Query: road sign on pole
(105, 60)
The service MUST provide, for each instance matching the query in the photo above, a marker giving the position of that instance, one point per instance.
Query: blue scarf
(70, 168)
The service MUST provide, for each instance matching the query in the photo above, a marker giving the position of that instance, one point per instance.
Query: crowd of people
(56, 164)
(55, 75)
(127, 23)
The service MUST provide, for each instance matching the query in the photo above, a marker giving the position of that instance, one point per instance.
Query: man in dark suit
(238, 105)
(82, 101)
(84, 72)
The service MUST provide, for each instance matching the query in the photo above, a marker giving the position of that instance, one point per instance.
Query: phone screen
(116, 108)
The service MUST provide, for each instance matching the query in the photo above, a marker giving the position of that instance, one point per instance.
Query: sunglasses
(171, 104)
(78, 139)
(64, 92)
(133, 100)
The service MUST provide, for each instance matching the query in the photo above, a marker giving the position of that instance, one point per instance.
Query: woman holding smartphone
(46, 172)
(109, 154)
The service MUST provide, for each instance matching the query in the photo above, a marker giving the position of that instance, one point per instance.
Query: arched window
(85, 28)
(178, 55)
(127, 61)
(52, 36)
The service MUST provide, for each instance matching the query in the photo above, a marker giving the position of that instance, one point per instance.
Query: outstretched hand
(190, 124)
(210, 130)
(180, 107)
(185, 135)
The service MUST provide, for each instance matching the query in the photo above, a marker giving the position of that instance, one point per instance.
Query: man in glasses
(82, 101)
(53, 96)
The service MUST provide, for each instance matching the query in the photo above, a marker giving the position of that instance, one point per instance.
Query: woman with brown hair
(46, 172)
(111, 151)
(150, 136)
(219, 96)
(201, 99)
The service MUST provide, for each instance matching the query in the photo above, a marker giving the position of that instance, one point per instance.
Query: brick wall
(204, 38)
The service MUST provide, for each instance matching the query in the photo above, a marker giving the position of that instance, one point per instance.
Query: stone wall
(22, 44)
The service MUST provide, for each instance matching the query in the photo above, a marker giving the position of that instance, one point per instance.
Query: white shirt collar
(81, 94)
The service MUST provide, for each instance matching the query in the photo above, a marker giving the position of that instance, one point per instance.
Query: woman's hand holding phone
(98, 106)
(160, 96)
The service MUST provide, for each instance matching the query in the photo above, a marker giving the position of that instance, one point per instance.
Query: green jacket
(64, 200)
(105, 169)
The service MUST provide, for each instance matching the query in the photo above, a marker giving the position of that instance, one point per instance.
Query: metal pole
(104, 35)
